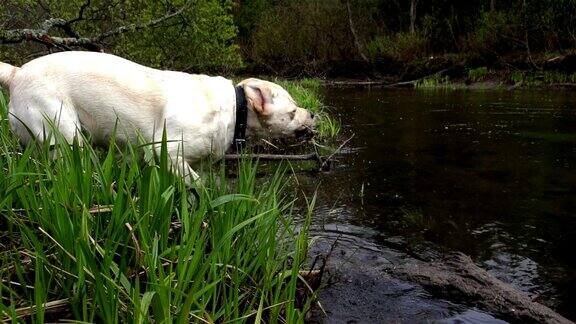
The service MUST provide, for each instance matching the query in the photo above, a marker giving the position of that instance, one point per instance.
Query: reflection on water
(520, 272)
(491, 174)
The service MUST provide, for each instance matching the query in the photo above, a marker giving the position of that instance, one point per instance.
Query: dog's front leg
(181, 168)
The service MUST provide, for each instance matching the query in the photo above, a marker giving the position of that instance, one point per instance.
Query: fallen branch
(357, 83)
(96, 209)
(329, 158)
(42, 36)
(323, 161)
(139, 253)
(412, 83)
(386, 83)
(274, 157)
(55, 306)
(406, 84)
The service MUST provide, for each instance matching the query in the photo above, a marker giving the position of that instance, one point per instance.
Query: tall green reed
(108, 236)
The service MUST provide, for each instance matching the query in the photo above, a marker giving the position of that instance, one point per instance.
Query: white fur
(102, 94)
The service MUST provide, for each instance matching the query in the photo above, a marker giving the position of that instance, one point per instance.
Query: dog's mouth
(304, 133)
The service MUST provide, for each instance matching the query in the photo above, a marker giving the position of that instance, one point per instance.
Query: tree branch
(136, 27)
(42, 35)
(274, 157)
(83, 8)
(354, 34)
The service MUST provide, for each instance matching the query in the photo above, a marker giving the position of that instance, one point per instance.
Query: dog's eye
(292, 114)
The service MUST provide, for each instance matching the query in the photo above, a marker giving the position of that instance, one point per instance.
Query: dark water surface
(488, 173)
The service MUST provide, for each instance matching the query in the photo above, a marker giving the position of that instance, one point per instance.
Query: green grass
(112, 237)
(438, 82)
(540, 78)
(477, 74)
(306, 92)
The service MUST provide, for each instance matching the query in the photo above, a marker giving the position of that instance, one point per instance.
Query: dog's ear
(259, 97)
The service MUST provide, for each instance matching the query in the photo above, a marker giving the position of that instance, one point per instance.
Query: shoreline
(445, 83)
(457, 85)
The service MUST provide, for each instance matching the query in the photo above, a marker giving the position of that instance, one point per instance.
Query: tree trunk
(492, 5)
(354, 34)
(413, 4)
(525, 23)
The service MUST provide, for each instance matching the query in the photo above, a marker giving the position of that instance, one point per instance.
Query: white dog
(102, 94)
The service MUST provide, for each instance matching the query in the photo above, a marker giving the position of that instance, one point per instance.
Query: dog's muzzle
(304, 133)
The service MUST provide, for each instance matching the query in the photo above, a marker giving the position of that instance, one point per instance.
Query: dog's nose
(312, 115)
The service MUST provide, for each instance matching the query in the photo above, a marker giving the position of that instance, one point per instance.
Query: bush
(477, 74)
(403, 46)
(203, 42)
(493, 34)
(307, 35)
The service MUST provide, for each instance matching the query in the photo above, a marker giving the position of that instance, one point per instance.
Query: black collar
(239, 141)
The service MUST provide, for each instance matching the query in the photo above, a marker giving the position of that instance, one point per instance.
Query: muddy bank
(371, 283)
(456, 277)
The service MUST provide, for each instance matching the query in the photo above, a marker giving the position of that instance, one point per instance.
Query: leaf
(230, 198)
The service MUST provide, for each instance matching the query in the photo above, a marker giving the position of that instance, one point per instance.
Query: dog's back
(105, 94)
(83, 90)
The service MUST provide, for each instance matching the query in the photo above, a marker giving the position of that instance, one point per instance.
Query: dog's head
(273, 113)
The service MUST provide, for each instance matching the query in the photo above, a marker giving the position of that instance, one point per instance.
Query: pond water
(488, 173)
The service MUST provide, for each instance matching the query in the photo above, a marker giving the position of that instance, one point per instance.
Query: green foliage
(200, 39)
(95, 231)
(516, 77)
(402, 46)
(535, 79)
(304, 34)
(493, 33)
(204, 42)
(437, 82)
(305, 92)
(288, 34)
(327, 127)
(477, 74)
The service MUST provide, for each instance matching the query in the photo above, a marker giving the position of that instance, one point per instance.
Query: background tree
(413, 4)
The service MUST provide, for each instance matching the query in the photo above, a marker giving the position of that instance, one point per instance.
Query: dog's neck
(253, 126)
(239, 141)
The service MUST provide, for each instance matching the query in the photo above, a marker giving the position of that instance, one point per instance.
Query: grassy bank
(106, 236)
(484, 78)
